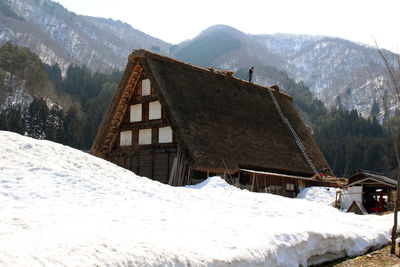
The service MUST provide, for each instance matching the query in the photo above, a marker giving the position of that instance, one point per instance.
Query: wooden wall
(155, 164)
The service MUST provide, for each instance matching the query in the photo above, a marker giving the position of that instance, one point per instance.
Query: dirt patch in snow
(381, 257)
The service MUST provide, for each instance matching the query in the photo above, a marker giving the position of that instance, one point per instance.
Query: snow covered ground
(63, 207)
(319, 194)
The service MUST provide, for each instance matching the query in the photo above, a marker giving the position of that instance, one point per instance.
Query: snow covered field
(62, 207)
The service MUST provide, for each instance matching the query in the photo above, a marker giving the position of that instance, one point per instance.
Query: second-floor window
(165, 135)
(144, 137)
(136, 113)
(146, 87)
(125, 138)
(154, 110)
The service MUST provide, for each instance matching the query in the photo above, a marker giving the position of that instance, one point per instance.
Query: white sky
(177, 20)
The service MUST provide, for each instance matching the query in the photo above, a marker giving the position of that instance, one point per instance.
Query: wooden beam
(189, 180)
(152, 166)
(253, 183)
(172, 173)
(122, 106)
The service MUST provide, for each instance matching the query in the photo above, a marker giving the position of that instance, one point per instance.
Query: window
(145, 87)
(144, 136)
(165, 135)
(125, 138)
(136, 112)
(154, 110)
(276, 189)
(289, 187)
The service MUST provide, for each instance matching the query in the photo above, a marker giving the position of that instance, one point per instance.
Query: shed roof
(221, 120)
(364, 176)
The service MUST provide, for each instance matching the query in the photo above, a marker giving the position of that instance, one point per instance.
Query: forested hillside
(36, 100)
(350, 141)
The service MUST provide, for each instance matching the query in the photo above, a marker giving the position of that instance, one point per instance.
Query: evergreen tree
(14, 119)
(55, 125)
(95, 113)
(3, 121)
(73, 128)
(54, 74)
(338, 164)
(36, 118)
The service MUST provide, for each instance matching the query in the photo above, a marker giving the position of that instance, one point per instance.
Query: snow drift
(61, 206)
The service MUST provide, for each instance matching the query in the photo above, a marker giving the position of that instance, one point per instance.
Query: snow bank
(319, 194)
(63, 207)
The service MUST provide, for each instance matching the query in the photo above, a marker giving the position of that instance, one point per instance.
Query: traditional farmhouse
(179, 124)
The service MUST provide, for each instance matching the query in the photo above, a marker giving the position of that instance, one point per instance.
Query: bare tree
(388, 89)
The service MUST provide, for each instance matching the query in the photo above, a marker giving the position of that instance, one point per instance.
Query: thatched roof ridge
(141, 53)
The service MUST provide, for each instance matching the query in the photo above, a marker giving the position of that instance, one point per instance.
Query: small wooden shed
(377, 190)
(179, 124)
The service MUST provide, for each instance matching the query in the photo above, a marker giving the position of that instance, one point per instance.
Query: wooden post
(253, 183)
(182, 176)
(265, 181)
(173, 171)
(130, 162)
(152, 165)
(189, 180)
(178, 169)
(168, 163)
(138, 165)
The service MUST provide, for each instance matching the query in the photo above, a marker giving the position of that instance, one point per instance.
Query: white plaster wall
(125, 138)
(165, 135)
(154, 110)
(145, 87)
(144, 136)
(136, 112)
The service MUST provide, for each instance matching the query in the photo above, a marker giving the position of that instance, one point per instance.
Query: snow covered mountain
(334, 69)
(62, 207)
(60, 36)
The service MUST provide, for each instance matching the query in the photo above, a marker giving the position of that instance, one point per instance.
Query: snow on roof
(61, 206)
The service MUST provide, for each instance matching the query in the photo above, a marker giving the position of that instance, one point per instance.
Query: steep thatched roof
(218, 118)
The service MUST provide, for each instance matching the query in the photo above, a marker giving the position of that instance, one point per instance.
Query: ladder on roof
(296, 137)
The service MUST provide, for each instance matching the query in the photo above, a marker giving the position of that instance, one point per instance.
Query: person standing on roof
(251, 70)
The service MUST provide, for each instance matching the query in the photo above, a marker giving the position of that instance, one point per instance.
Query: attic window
(165, 135)
(125, 138)
(144, 136)
(145, 87)
(154, 110)
(136, 112)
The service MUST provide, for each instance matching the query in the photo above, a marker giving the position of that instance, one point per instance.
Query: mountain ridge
(71, 38)
(333, 68)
